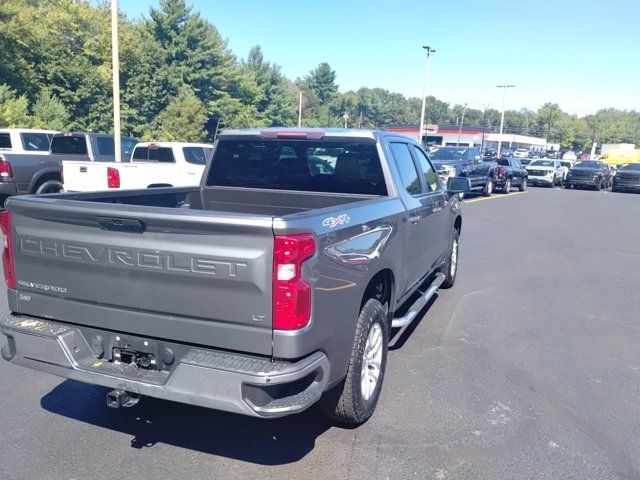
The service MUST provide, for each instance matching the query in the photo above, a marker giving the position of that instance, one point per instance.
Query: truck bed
(273, 203)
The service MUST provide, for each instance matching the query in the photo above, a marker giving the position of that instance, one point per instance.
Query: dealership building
(469, 136)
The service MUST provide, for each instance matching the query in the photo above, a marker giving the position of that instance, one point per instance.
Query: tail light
(7, 253)
(291, 294)
(500, 171)
(113, 177)
(5, 169)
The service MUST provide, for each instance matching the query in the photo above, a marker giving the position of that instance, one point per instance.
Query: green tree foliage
(177, 75)
(275, 106)
(14, 110)
(50, 113)
(183, 120)
(322, 80)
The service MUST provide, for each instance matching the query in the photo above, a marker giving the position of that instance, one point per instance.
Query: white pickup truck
(152, 164)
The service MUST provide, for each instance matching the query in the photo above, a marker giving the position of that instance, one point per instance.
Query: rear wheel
(567, 186)
(507, 186)
(3, 198)
(523, 185)
(488, 187)
(50, 186)
(354, 400)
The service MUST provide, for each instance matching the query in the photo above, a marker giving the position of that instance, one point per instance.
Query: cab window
(406, 167)
(428, 172)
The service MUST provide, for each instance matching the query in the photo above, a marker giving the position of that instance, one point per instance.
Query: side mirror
(458, 185)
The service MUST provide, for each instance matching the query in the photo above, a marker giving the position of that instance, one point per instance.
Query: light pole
(464, 109)
(504, 95)
(115, 66)
(345, 117)
(424, 90)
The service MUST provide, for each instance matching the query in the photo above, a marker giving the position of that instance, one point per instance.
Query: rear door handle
(415, 219)
(83, 169)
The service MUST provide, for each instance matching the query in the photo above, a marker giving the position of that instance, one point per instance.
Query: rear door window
(35, 142)
(195, 155)
(406, 168)
(5, 141)
(153, 154)
(69, 145)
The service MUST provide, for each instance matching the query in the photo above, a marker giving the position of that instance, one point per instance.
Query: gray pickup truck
(271, 286)
(42, 173)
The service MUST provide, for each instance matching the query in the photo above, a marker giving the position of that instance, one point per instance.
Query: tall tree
(322, 80)
(275, 105)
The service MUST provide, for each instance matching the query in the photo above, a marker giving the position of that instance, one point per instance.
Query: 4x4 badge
(333, 221)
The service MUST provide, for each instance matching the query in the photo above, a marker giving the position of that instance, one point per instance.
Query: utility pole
(300, 109)
(484, 126)
(548, 129)
(345, 117)
(115, 67)
(464, 109)
(424, 90)
(504, 95)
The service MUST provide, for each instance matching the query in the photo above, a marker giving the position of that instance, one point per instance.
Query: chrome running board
(418, 304)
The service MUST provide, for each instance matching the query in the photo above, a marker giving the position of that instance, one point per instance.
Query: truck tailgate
(84, 176)
(189, 276)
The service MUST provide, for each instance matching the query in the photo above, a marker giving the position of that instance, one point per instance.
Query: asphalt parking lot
(528, 368)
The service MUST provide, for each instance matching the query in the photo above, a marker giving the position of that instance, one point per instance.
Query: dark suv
(627, 179)
(590, 174)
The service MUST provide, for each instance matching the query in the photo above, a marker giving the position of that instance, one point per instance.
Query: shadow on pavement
(265, 442)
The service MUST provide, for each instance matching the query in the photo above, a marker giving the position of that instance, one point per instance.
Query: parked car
(589, 173)
(545, 172)
(585, 156)
(569, 155)
(506, 152)
(25, 141)
(152, 164)
(515, 175)
(552, 154)
(466, 162)
(627, 178)
(521, 153)
(262, 291)
(535, 154)
(565, 166)
(490, 153)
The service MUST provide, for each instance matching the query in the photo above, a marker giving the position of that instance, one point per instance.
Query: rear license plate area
(134, 351)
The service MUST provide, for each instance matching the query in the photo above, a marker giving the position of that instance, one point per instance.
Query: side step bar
(419, 303)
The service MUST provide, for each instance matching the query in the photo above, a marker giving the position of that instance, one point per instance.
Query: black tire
(600, 185)
(345, 402)
(49, 186)
(3, 199)
(450, 269)
(523, 185)
(506, 188)
(567, 186)
(488, 187)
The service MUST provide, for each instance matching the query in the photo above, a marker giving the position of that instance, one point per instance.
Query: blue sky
(582, 54)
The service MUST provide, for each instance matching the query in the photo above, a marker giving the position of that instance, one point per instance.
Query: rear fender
(40, 174)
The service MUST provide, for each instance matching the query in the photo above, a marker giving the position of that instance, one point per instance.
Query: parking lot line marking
(493, 197)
